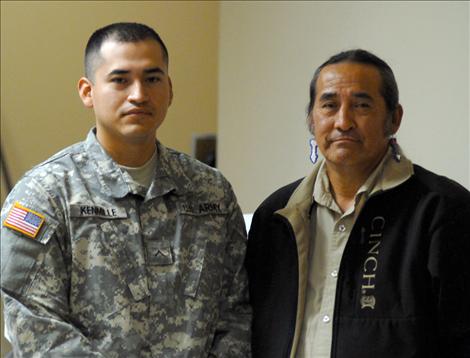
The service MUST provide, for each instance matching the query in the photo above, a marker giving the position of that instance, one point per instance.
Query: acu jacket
(403, 287)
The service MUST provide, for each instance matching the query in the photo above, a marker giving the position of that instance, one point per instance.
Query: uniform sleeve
(36, 277)
(233, 329)
(449, 265)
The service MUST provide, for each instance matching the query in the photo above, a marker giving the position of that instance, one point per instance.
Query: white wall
(268, 52)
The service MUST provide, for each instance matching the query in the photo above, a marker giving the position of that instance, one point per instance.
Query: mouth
(344, 139)
(138, 112)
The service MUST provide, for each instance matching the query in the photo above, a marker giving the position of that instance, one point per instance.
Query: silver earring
(313, 150)
(395, 149)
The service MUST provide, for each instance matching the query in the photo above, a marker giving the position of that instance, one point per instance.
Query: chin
(138, 134)
(341, 155)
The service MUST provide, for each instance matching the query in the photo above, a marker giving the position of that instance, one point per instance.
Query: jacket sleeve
(233, 328)
(449, 265)
(36, 279)
(257, 259)
(259, 270)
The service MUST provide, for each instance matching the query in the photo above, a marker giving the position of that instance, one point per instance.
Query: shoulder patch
(24, 220)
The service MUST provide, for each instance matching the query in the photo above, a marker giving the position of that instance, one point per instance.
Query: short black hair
(389, 90)
(120, 32)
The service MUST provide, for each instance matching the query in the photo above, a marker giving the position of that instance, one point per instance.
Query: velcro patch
(24, 220)
(87, 210)
(202, 208)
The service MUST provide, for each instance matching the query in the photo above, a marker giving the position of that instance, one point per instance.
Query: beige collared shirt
(331, 229)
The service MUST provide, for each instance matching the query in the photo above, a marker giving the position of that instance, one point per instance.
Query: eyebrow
(327, 96)
(154, 70)
(146, 71)
(363, 95)
(331, 95)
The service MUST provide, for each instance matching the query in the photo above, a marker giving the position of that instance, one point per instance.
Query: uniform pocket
(195, 266)
(21, 256)
(204, 235)
(129, 269)
(107, 276)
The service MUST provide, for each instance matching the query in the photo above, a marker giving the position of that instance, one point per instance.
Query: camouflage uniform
(120, 271)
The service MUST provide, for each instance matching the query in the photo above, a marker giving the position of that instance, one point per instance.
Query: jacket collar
(117, 183)
(387, 175)
(393, 173)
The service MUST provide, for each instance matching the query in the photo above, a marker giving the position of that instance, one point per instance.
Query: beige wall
(269, 50)
(42, 46)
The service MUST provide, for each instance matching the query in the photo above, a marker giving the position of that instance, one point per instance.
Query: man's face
(130, 93)
(349, 116)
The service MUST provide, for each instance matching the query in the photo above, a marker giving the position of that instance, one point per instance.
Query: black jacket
(403, 286)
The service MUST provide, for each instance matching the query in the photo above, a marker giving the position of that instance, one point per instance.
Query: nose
(138, 93)
(344, 120)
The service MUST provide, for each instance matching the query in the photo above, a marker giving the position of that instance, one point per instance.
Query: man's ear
(171, 91)
(396, 118)
(85, 91)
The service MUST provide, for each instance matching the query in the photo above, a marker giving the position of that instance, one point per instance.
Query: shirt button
(326, 319)
(334, 273)
(342, 228)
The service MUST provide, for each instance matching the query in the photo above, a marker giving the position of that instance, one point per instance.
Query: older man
(118, 246)
(367, 257)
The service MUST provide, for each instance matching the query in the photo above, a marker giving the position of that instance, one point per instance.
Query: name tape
(86, 211)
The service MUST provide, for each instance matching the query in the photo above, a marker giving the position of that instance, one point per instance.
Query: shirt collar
(322, 191)
(387, 175)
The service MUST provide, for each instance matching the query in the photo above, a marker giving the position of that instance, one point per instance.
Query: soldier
(367, 257)
(118, 246)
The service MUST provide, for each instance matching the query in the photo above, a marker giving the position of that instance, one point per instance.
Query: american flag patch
(24, 220)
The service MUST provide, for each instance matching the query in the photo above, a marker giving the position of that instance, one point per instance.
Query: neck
(133, 156)
(344, 187)
(346, 180)
(129, 154)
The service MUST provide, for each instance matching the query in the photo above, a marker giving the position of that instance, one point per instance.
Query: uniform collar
(117, 183)
(111, 177)
(169, 175)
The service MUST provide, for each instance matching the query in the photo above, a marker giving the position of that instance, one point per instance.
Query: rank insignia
(24, 220)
